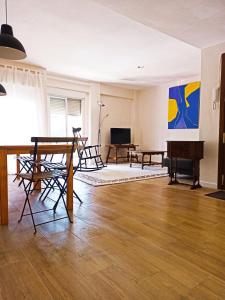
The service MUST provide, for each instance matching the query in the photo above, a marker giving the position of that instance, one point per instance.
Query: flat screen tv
(120, 135)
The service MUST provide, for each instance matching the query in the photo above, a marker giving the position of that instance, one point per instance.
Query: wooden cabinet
(193, 150)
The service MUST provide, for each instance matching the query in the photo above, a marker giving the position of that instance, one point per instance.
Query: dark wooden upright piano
(188, 150)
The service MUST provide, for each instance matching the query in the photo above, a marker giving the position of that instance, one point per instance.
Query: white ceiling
(85, 39)
(200, 23)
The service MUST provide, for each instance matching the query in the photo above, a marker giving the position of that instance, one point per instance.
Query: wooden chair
(91, 159)
(38, 174)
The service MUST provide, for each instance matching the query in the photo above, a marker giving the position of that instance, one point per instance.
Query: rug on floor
(218, 195)
(120, 173)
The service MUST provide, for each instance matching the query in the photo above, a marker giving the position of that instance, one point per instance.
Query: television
(120, 135)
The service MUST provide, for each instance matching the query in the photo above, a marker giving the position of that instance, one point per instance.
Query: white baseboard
(207, 184)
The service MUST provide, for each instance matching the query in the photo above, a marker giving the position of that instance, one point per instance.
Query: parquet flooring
(139, 240)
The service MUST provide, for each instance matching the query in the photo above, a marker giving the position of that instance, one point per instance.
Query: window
(65, 113)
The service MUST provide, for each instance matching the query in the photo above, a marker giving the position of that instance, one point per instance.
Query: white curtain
(23, 111)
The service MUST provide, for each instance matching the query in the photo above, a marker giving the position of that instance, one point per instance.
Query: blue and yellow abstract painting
(183, 106)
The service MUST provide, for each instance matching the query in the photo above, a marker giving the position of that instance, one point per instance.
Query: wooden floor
(139, 240)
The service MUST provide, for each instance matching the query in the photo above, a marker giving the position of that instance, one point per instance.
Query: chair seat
(53, 165)
(41, 175)
(24, 158)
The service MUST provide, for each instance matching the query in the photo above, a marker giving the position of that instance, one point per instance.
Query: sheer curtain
(23, 111)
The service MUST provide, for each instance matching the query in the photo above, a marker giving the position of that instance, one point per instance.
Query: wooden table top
(42, 149)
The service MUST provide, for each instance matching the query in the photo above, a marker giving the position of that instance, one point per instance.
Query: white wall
(119, 106)
(209, 118)
(152, 103)
(152, 106)
(119, 112)
(118, 101)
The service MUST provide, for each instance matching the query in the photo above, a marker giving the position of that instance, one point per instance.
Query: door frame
(221, 146)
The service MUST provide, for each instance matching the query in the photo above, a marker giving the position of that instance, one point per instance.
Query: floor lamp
(100, 121)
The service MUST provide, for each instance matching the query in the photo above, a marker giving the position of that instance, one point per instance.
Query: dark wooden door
(221, 157)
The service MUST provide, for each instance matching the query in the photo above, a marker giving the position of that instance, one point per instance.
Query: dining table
(5, 151)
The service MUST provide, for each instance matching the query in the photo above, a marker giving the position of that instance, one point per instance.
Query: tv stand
(116, 148)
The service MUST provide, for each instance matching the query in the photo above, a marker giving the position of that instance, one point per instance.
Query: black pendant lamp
(2, 90)
(10, 47)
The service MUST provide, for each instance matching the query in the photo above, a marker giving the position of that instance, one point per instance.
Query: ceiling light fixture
(2, 90)
(10, 47)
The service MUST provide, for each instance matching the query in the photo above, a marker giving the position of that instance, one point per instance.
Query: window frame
(65, 98)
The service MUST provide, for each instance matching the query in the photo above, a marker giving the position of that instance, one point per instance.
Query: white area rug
(120, 173)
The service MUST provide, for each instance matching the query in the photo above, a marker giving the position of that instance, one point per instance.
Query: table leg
(131, 159)
(17, 166)
(69, 197)
(107, 158)
(175, 174)
(196, 183)
(162, 159)
(3, 188)
(128, 155)
(172, 173)
(37, 184)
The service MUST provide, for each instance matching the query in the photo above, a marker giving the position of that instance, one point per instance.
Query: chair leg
(31, 212)
(71, 221)
(27, 191)
(96, 164)
(48, 186)
(36, 183)
(21, 217)
(25, 202)
(62, 191)
(75, 195)
(22, 180)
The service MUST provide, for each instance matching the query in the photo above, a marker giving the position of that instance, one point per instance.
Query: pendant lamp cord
(6, 12)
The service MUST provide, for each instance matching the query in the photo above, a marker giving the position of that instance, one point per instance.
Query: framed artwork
(183, 106)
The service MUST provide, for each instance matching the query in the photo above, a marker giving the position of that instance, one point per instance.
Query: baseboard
(207, 184)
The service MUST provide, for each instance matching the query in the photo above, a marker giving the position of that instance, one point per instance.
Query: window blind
(73, 107)
(57, 106)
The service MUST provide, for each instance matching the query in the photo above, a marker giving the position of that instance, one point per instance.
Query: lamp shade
(2, 90)
(10, 47)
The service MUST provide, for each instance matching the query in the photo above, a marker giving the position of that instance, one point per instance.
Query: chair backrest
(51, 145)
(81, 140)
(76, 131)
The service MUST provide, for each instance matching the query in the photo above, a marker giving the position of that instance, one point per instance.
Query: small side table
(134, 157)
(117, 147)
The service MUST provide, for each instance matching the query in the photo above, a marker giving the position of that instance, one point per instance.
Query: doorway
(221, 154)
